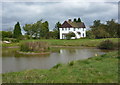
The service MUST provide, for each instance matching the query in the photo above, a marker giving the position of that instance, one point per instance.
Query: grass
(58, 42)
(38, 46)
(98, 69)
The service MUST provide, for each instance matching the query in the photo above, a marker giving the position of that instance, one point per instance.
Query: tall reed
(34, 46)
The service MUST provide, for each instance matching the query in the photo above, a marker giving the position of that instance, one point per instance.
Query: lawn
(97, 69)
(58, 42)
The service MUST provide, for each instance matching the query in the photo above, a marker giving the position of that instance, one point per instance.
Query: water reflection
(12, 61)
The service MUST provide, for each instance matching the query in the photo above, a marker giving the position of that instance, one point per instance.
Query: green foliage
(69, 35)
(57, 26)
(109, 30)
(37, 30)
(6, 34)
(56, 30)
(107, 44)
(44, 30)
(75, 20)
(71, 63)
(17, 31)
(90, 35)
(57, 65)
(79, 20)
(34, 47)
(53, 34)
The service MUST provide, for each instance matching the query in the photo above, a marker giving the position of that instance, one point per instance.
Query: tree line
(40, 30)
(108, 30)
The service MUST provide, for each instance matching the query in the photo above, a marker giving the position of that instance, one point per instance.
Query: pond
(14, 62)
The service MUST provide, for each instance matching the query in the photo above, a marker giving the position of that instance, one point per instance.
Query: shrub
(71, 63)
(107, 44)
(15, 40)
(57, 65)
(117, 45)
(69, 35)
(34, 47)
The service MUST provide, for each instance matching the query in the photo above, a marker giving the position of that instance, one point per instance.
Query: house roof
(68, 24)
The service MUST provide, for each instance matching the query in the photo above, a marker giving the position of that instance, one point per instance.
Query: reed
(34, 46)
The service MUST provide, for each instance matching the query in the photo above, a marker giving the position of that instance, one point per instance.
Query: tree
(75, 20)
(37, 30)
(56, 29)
(44, 30)
(57, 26)
(112, 28)
(96, 23)
(28, 28)
(17, 31)
(6, 34)
(79, 20)
(89, 34)
(109, 30)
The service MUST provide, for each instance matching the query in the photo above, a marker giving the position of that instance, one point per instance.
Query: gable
(66, 25)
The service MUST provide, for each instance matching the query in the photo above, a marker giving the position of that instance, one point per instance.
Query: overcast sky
(31, 12)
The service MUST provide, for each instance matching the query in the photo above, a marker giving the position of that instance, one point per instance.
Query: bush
(34, 47)
(107, 44)
(15, 40)
(57, 65)
(69, 35)
(71, 63)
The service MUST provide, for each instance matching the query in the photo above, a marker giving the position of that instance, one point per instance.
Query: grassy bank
(98, 69)
(58, 42)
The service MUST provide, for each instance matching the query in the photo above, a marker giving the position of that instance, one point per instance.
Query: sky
(30, 12)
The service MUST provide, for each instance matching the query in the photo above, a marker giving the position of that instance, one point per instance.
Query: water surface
(14, 62)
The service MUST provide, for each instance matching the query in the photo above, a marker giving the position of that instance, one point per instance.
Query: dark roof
(68, 24)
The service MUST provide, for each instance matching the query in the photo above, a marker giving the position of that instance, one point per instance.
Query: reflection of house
(70, 26)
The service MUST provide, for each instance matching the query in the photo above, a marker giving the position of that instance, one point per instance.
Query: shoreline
(33, 53)
(89, 66)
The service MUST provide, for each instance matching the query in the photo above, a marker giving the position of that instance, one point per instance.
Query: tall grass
(108, 44)
(34, 46)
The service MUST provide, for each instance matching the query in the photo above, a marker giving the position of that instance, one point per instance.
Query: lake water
(14, 62)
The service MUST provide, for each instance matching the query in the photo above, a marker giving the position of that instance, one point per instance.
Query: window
(83, 29)
(83, 34)
(74, 29)
(62, 28)
(69, 28)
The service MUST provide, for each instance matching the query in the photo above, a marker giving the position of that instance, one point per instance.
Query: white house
(70, 26)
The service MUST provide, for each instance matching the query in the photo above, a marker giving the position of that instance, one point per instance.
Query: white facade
(79, 32)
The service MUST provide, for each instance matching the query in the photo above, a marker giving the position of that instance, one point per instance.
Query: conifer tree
(17, 31)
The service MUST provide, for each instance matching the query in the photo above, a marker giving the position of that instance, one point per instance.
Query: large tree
(112, 28)
(17, 31)
(108, 30)
(37, 30)
(44, 30)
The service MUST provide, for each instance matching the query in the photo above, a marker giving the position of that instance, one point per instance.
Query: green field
(58, 42)
(98, 69)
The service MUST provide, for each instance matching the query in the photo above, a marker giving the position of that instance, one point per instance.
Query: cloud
(30, 12)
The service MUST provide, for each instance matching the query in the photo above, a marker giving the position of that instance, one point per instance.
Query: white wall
(74, 30)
